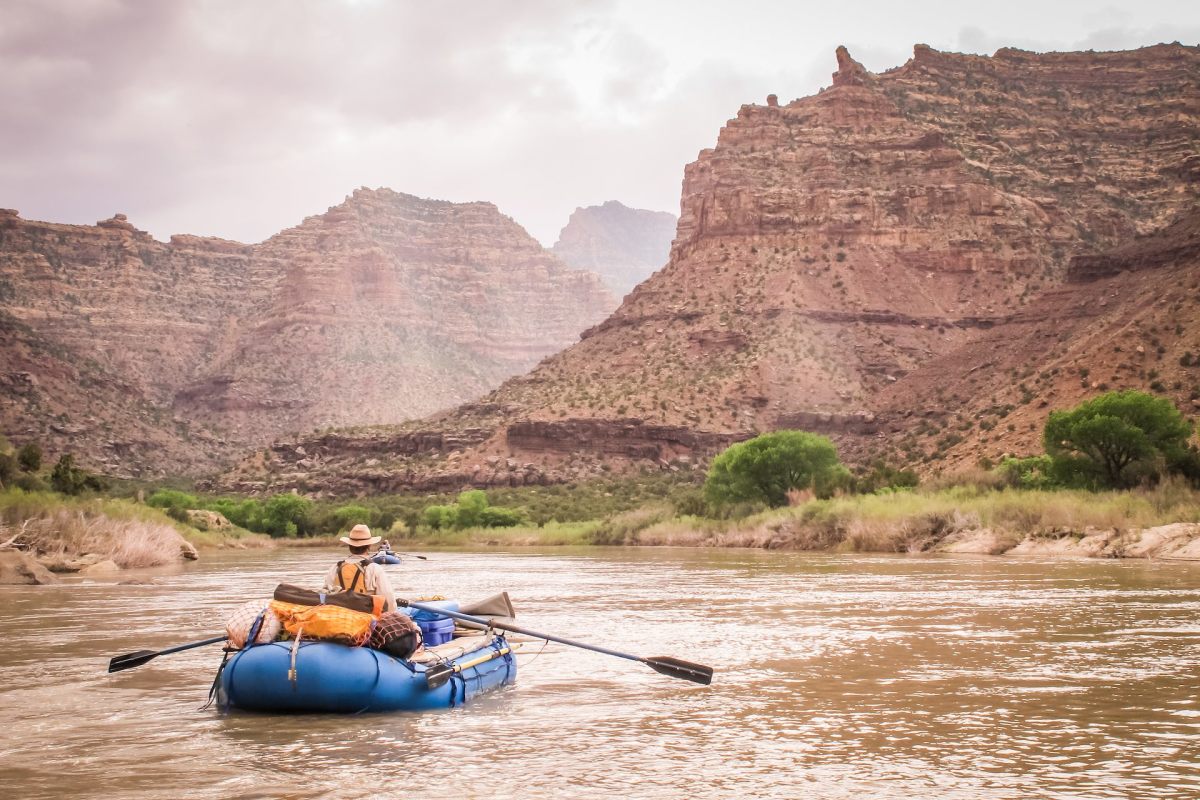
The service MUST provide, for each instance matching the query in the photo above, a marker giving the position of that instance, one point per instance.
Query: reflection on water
(838, 676)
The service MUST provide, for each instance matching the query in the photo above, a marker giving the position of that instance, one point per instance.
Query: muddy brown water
(838, 676)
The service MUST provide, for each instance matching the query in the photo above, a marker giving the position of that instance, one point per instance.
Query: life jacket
(352, 575)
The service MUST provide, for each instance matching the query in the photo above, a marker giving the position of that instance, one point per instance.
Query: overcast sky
(238, 118)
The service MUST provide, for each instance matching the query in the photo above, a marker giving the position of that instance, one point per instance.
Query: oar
(674, 667)
(438, 674)
(394, 553)
(131, 660)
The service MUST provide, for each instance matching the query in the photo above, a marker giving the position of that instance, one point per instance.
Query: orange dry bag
(326, 623)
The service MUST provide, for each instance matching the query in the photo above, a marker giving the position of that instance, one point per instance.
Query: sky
(238, 118)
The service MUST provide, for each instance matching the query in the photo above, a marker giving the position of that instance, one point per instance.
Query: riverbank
(43, 534)
(1163, 522)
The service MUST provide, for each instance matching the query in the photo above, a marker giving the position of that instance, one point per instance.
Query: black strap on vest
(359, 575)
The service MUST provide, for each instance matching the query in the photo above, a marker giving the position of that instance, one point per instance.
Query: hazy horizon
(234, 120)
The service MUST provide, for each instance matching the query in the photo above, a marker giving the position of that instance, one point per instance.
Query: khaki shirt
(377, 580)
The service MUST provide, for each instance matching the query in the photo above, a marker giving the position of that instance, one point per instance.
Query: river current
(838, 676)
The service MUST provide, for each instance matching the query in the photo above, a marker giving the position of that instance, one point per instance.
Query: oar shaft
(507, 627)
(177, 648)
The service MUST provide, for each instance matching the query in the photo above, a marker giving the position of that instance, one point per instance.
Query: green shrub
(31, 483)
(497, 517)
(8, 469)
(246, 514)
(690, 503)
(884, 477)
(767, 467)
(66, 478)
(172, 498)
(1034, 472)
(29, 457)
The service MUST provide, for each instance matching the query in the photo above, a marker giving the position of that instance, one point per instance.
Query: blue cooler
(436, 631)
(435, 628)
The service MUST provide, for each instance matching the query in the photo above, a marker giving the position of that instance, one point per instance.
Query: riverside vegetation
(1115, 467)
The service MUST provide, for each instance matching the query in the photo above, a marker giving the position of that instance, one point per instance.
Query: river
(838, 676)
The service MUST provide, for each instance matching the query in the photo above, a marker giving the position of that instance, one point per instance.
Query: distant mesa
(623, 245)
(144, 356)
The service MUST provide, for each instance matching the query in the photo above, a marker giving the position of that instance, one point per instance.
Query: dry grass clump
(626, 527)
(62, 528)
(918, 521)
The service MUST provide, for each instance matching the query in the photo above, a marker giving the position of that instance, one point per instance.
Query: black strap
(360, 574)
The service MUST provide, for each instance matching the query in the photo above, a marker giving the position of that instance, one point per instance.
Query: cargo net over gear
(396, 634)
(238, 626)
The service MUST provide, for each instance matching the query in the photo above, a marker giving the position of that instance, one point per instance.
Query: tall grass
(61, 528)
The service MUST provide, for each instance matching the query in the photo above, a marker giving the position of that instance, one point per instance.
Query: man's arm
(331, 580)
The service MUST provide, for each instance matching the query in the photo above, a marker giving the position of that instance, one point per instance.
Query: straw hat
(360, 536)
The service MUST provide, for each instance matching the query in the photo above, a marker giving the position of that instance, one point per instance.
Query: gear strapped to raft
(355, 601)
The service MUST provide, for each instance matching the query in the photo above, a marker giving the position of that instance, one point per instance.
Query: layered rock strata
(149, 356)
(1128, 318)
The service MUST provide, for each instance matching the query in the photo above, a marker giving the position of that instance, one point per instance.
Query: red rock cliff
(831, 245)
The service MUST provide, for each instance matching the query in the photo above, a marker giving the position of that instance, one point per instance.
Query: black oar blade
(131, 660)
(438, 674)
(677, 668)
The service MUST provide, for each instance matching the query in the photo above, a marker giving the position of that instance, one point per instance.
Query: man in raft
(357, 572)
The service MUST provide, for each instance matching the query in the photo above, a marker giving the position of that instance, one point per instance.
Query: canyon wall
(830, 247)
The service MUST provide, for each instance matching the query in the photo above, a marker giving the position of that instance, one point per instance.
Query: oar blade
(438, 674)
(131, 660)
(678, 668)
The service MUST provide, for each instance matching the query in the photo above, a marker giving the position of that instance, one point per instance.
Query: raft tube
(386, 558)
(334, 678)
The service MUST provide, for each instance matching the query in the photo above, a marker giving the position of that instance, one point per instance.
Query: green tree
(286, 515)
(440, 517)
(1115, 439)
(767, 467)
(29, 457)
(471, 505)
(351, 514)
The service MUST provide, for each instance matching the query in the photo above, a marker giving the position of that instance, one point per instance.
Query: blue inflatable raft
(334, 678)
(385, 558)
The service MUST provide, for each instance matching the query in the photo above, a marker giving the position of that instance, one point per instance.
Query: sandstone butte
(832, 248)
(145, 357)
(620, 244)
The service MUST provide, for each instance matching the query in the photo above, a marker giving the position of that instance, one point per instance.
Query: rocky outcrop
(144, 357)
(832, 247)
(622, 245)
(19, 569)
